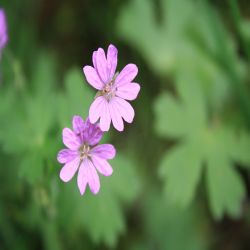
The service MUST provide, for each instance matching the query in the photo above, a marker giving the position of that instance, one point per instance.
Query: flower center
(84, 151)
(109, 89)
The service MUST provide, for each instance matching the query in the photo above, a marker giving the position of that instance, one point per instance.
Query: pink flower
(84, 155)
(113, 89)
(3, 30)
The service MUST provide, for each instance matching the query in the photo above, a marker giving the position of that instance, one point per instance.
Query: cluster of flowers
(114, 90)
(83, 154)
(3, 30)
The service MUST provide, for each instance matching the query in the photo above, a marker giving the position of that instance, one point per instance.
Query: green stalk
(235, 12)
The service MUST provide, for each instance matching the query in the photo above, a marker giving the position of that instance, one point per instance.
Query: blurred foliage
(181, 176)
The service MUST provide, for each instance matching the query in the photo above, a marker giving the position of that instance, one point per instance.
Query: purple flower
(84, 155)
(113, 89)
(3, 30)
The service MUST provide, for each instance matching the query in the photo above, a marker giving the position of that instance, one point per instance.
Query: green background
(181, 176)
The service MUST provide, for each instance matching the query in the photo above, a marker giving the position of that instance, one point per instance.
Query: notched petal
(70, 139)
(92, 77)
(66, 155)
(102, 166)
(105, 151)
(69, 169)
(78, 124)
(127, 75)
(128, 91)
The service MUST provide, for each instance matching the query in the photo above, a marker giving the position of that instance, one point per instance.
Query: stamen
(84, 151)
(109, 89)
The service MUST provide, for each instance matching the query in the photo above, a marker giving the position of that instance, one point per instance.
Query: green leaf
(101, 216)
(187, 42)
(169, 227)
(200, 143)
(225, 188)
(241, 149)
(172, 110)
(181, 167)
(76, 98)
(173, 114)
(27, 126)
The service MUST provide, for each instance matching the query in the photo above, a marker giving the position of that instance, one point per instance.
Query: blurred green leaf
(241, 149)
(187, 42)
(29, 120)
(102, 216)
(225, 188)
(201, 142)
(181, 168)
(169, 227)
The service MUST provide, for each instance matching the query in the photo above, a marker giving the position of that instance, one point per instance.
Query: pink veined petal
(115, 115)
(66, 155)
(82, 178)
(70, 139)
(92, 77)
(105, 119)
(102, 165)
(128, 91)
(92, 133)
(112, 60)
(95, 137)
(101, 64)
(105, 151)
(69, 169)
(96, 109)
(78, 124)
(92, 176)
(125, 109)
(127, 75)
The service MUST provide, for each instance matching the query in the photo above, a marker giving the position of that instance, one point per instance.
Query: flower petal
(127, 75)
(112, 60)
(105, 151)
(92, 176)
(77, 124)
(82, 178)
(66, 155)
(101, 64)
(70, 139)
(96, 109)
(3, 29)
(94, 59)
(128, 91)
(92, 77)
(105, 119)
(115, 115)
(92, 133)
(69, 169)
(125, 109)
(102, 165)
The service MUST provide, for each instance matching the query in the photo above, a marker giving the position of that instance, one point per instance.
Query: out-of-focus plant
(197, 51)
(187, 150)
(30, 128)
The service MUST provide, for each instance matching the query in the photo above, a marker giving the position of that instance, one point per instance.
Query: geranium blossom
(3, 30)
(84, 156)
(113, 89)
